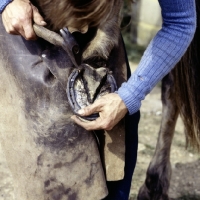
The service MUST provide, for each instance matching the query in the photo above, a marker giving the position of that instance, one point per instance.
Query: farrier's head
(77, 14)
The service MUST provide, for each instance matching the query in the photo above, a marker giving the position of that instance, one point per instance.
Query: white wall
(146, 20)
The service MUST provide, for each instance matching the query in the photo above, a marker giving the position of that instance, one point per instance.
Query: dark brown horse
(180, 96)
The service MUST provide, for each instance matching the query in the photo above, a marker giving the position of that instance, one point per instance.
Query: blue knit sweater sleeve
(3, 4)
(163, 52)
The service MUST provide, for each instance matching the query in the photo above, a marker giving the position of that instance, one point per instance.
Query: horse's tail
(187, 87)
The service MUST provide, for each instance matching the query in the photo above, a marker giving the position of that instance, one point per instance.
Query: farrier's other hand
(18, 17)
(111, 109)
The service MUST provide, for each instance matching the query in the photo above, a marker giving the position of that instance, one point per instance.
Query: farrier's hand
(111, 109)
(18, 17)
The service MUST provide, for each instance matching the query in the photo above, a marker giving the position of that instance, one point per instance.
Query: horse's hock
(49, 156)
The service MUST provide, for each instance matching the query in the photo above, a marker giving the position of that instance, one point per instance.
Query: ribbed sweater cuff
(3, 4)
(131, 103)
(133, 95)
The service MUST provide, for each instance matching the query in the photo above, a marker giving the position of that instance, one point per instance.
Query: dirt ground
(185, 183)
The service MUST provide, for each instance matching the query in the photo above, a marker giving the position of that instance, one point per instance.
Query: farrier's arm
(164, 51)
(18, 16)
(3, 4)
(161, 55)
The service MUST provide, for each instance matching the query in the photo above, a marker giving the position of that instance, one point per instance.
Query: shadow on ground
(187, 197)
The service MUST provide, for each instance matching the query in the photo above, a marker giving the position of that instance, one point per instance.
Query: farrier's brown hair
(74, 13)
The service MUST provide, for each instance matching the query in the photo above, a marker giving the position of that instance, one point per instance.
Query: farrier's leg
(119, 190)
(49, 156)
(158, 174)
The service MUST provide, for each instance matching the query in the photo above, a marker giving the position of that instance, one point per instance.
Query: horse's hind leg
(159, 171)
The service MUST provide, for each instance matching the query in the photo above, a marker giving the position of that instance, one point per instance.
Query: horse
(43, 83)
(179, 95)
